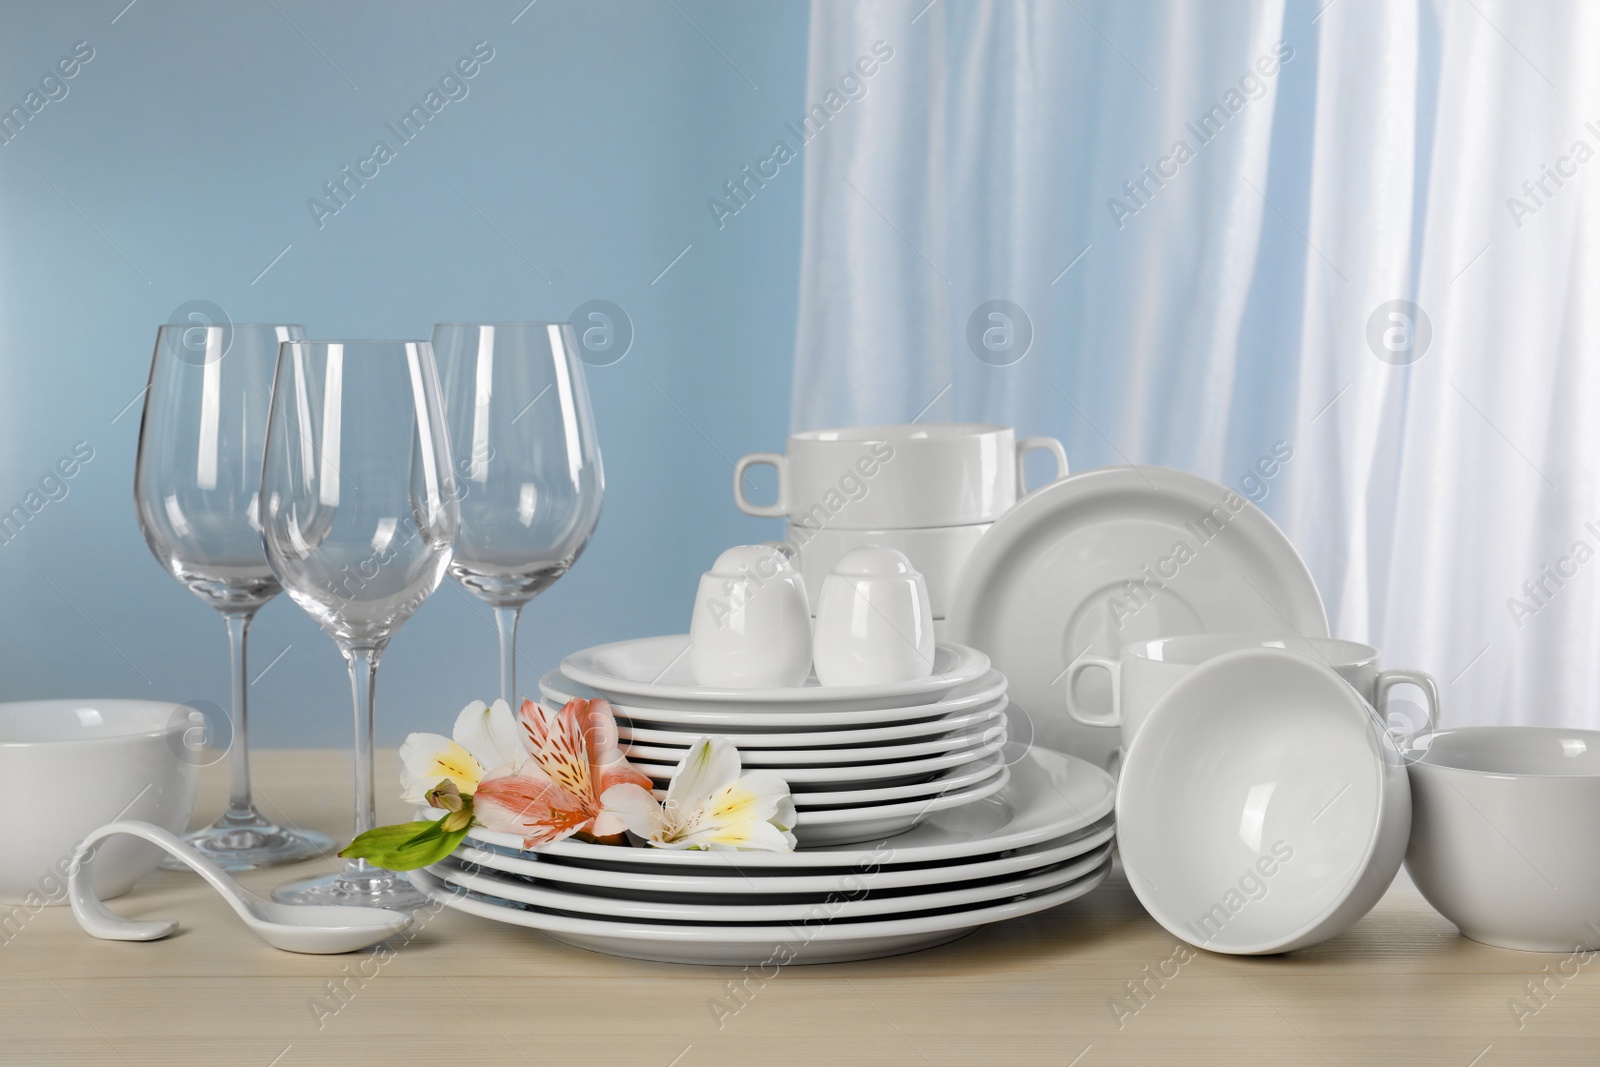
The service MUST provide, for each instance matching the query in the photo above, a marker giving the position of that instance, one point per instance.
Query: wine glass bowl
(529, 475)
(358, 515)
(196, 493)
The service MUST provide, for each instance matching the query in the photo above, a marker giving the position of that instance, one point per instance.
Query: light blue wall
(179, 165)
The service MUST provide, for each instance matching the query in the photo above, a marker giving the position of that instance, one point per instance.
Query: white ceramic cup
(1146, 670)
(751, 627)
(1263, 808)
(937, 552)
(874, 624)
(897, 477)
(1503, 829)
(71, 766)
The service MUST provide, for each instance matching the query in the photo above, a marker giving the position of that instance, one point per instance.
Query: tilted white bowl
(75, 765)
(1263, 807)
(1505, 834)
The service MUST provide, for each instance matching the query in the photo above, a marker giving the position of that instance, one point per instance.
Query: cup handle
(779, 463)
(1387, 680)
(1082, 715)
(1049, 444)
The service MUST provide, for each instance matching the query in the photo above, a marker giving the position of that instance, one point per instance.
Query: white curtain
(1346, 163)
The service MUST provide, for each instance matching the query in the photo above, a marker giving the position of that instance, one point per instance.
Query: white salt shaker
(751, 627)
(874, 622)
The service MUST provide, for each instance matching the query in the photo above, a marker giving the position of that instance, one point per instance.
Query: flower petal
(630, 807)
(490, 733)
(531, 803)
(428, 759)
(710, 764)
(750, 836)
(757, 795)
(555, 742)
(608, 767)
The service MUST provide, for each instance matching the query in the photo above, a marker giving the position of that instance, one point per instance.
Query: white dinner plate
(557, 689)
(859, 901)
(1048, 795)
(882, 874)
(655, 671)
(778, 758)
(1111, 556)
(823, 738)
(708, 943)
(903, 771)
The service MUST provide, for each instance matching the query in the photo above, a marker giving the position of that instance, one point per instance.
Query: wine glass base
(371, 888)
(243, 843)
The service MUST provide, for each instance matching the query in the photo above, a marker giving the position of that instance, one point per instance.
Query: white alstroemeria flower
(710, 805)
(485, 737)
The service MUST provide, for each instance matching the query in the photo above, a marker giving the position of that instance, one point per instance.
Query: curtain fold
(1200, 222)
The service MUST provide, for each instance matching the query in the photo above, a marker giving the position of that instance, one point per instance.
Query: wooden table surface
(1054, 988)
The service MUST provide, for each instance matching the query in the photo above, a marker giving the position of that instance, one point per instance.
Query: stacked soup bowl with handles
(928, 490)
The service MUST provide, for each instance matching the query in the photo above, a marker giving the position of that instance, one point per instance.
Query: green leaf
(405, 846)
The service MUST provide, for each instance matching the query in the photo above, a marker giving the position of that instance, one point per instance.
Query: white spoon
(314, 928)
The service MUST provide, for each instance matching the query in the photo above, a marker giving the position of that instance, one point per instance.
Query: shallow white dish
(842, 777)
(655, 671)
(1263, 807)
(821, 739)
(885, 874)
(986, 728)
(862, 900)
(1503, 830)
(1051, 582)
(989, 687)
(713, 944)
(1048, 795)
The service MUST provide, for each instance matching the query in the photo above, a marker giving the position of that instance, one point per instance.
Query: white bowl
(75, 765)
(1263, 807)
(1504, 826)
(938, 553)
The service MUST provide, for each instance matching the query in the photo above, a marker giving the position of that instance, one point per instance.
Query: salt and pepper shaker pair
(752, 626)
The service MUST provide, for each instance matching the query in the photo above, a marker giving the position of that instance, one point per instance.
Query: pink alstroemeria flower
(560, 789)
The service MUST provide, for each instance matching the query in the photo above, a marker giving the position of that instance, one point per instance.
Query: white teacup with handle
(897, 477)
(1145, 670)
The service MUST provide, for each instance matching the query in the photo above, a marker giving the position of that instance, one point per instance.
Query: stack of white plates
(863, 762)
(1042, 839)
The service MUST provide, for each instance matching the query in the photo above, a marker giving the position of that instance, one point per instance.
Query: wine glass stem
(239, 804)
(505, 620)
(363, 676)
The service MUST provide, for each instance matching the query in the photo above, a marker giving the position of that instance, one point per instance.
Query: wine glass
(196, 484)
(528, 463)
(358, 512)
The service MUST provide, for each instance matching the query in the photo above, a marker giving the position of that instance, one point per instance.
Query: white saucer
(988, 687)
(709, 943)
(977, 771)
(819, 739)
(777, 758)
(655, 671)
(1056, 577)
(842, 777)
(1048, 795)
(676, 884)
